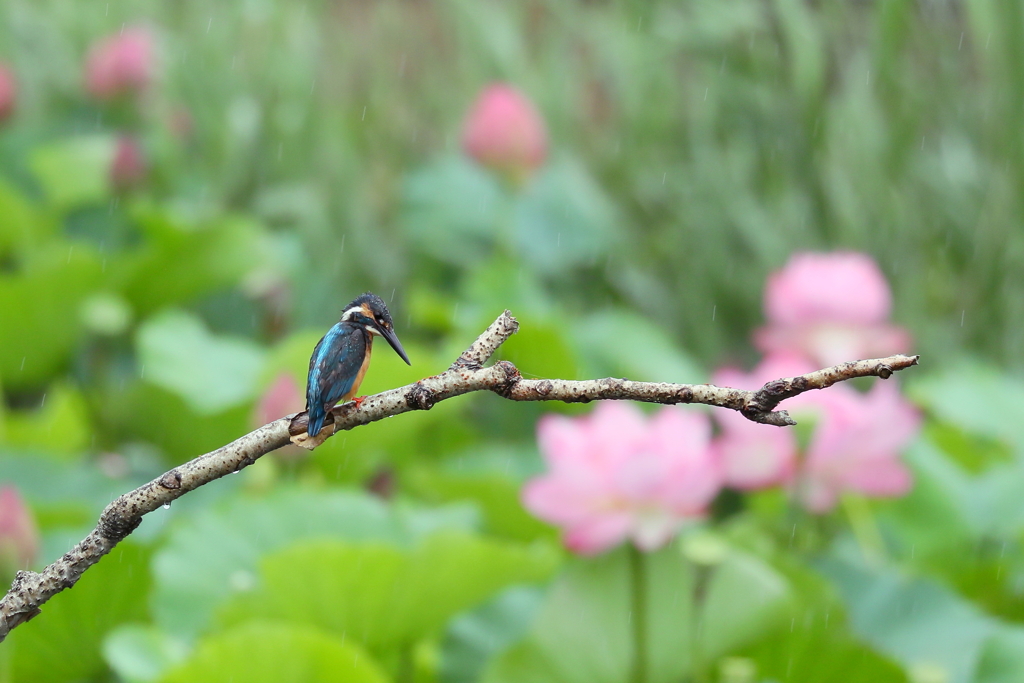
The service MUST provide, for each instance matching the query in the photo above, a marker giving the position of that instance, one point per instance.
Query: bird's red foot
(358, 400)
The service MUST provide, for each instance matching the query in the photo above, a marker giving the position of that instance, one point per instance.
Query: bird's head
(370, 311)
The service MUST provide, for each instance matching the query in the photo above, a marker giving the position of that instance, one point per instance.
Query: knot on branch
(613, 384)
(21, 576)
(22, 590)
(246, 461)
(23, 582)
(761, 406)
(773, 393)
(884, 371)
(171, 480)
(543, 388)
(421, 397)
(795, 386)
(781, 389)
(118, 520)
(510, 379)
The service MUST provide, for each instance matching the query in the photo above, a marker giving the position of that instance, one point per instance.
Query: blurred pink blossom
(757, 456)
(617, 474)
(19, 537)
(856, 445)
(282, 398)
(8, 92)
(504, 132)
(120, 64)
(832, 308)
(128, 167)
(754, 456)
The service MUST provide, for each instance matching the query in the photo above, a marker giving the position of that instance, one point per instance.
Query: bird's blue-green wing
(333, 369)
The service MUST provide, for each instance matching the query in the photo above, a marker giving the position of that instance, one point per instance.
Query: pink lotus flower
(504, 132)
(616, 474)
(8, 92)
(856, 446)
(830, 307)
(756, 456)
(19, 537)
(120, 64)
(128, 168)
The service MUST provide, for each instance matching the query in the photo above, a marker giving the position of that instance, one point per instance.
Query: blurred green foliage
(300, 153)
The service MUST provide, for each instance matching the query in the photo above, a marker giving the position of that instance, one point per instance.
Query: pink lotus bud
(504, 132)
(830, 307)
(128, 168)
(19, 537)
(616, 474)
(8, 92)
(120, 64)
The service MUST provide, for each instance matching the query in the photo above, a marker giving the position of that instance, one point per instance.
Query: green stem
(701, 579)
(638, 614)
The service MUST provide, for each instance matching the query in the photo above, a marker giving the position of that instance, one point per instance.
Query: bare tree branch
(467, 374)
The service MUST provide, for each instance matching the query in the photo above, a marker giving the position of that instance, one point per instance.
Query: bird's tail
(317, 415)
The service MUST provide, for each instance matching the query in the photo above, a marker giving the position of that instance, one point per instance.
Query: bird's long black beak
(395, 344)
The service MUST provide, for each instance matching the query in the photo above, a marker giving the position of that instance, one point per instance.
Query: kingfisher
(340, 359)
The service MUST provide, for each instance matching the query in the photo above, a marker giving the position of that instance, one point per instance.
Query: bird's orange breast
(362, 370)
